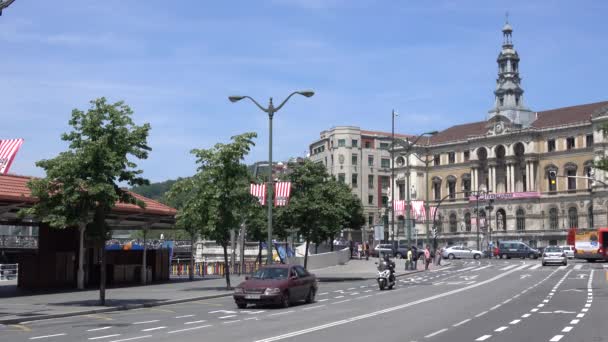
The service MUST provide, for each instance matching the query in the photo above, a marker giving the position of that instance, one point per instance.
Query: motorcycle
(386, 278)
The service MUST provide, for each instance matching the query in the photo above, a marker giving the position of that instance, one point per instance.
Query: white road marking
(152, 329)
(483, 338)
(146, 322)
(313, 307)
(338, 297)
(366, 291)
(387, 310)
(574, 321)
(354, 293)
(342, 301)
(131, 338)
(363, 286)
(501, 329)
(282, 313)
(580, 315)
(184, 316)
(222, 311)
(229, 316)
(481, 314)
(102, 328)
(350, 288)
(322, 294)
(481, 268)
(322, 300)
(364, 297)
(188, 329)
(230, 322)
(515, 321)
(587, 305)
(567, 329)
(540, 305)
(195, 322)
(436, 333)
(556, 338)
(461, 323)
(534, 310)
(535, 267)
(508, 267)
(253, 312)
(584, 310)
(250, 318)
(578, 267)
(100, 337)
(47, 336)
(525, 315)
(495, 307)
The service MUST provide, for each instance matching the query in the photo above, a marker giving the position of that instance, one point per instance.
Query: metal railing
(9, 271)
(18, 241)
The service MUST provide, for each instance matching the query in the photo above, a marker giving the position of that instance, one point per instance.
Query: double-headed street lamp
(4, 4)
(271, 110)
(408, 150)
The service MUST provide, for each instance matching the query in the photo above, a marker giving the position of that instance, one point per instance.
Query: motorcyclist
(387, 263)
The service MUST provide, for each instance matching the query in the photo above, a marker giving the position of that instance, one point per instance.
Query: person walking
(414, 258)
(427, 257)
(409, 263)
(439, 256)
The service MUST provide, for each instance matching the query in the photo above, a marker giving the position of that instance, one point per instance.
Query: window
(370, 181)
(386, 182)
(570, 143)
(467, 221)
(467, 155)
(572, 218)
(590, 216)
(520, 217)
(550, 145)
(353, 179)
(341, 142)
(517, 100)
(452, 189)
(589, 174)
(437, 189)
(301, 271)
(384, 146)
(453, 223)
(368, 144)
(437, 160)
(553, 219)
(370, 160)
(385, 163)
(466, 186)
(589, 140)
(341, 177)
(370, 199)
(355, 143)
(370, 220)
(501, 100)
(451, 157)
(401, 191)
(354, 160)
(384, 201)
(571, 180)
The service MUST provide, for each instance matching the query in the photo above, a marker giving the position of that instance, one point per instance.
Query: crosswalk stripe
(535, 266)
(508, 267)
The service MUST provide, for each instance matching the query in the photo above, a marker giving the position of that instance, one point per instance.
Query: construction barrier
(212, 268)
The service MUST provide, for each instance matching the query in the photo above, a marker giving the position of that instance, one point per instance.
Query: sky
(176, 62)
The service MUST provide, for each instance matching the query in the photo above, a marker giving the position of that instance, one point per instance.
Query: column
(527, 176)
(508, 181)
(513, 185)
(474, 179)
(493, 178)
(534, 169)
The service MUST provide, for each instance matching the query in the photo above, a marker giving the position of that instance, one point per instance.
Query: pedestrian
(350, 247)
(439, 256)
(366, 250)
(415, 258)
(409, 263)
(496, 252)
(427, 257)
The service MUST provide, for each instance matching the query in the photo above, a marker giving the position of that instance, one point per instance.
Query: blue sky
(175, 63)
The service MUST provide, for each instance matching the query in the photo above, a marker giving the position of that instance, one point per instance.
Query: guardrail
(18, 241)
(9, 271)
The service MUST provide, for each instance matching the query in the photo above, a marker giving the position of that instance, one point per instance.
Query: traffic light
(552, 177)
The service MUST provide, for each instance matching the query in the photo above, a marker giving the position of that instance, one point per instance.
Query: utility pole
(392, 204)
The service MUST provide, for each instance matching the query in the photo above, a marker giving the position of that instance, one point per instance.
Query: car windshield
(270, 273)
(553, 249)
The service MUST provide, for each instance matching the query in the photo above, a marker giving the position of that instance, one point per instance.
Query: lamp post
(408, 148)
(489, 208)
(271, 110)
(4, 4)
(392, 204)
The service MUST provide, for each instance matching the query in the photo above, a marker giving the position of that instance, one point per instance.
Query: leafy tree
(82, 184)
(257, 225)
(155, 191)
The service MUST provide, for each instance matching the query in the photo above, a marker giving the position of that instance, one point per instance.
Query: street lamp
(408, 149)
(271, 110)
(4, 4)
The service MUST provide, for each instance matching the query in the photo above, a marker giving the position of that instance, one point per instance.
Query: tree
(257, 227)
(82, 184)
(214, 195)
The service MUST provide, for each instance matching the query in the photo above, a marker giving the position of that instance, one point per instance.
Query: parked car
(517, 249)
(278, 285)
(460, 252)
(554, 255)
(569, 250)
(383, 248)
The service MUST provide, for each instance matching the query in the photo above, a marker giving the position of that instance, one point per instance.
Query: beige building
(506, 158)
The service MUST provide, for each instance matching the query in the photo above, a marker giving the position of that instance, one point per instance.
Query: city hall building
(507, 159)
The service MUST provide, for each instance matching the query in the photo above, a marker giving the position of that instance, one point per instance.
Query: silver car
(554, 255)
(460, 252)
(569, 250)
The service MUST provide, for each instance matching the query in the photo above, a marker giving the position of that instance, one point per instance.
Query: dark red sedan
(278, 285)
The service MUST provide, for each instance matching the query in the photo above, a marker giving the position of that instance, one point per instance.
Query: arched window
(590, 216)
(452, 187)
(501, 220)
(572, 218)
(437, 188)
(588, 172)
(520, 216)
(466, 185)
(467, 221)
(570, 172)
(553, 219)
(453, 223)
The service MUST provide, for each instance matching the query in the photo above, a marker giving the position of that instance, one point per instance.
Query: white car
(554, 255)
(568, 250)
(461, 252)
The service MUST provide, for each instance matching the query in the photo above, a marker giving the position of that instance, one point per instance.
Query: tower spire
(509, 101)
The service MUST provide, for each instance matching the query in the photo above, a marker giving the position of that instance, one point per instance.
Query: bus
(591, 245)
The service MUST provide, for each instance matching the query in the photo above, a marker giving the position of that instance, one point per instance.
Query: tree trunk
(306, 253)
(227, 266)
(192, 255)
(102, 274)
(316, 248)
(144, 273)
(332, 243)
(260, 253)
(242, 250)
(81, 251)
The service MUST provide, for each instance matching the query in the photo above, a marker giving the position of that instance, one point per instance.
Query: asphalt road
(498, 300)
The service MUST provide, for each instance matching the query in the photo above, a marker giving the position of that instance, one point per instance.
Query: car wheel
(476, 256)
(310, 298)
(531, 255)
(503, 256)
(565, 263)
(451, 256)
(241, 305)
(544, 264)
(285, 301)
(398, 256)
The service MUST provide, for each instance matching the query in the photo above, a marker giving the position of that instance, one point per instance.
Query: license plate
(253, 296)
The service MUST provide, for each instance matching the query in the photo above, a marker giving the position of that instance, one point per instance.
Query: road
(497, 300)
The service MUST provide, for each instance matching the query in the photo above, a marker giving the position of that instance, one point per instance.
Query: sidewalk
(366, 269)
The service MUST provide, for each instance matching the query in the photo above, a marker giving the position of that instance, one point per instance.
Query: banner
(8, 150)
(259, 191)
(282, 190)
(506, 196)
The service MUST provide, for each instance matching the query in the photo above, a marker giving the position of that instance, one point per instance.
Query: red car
(278, 285)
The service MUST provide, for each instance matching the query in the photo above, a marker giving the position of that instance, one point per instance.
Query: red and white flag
(259, 191)
(399, 208)
(8, 150)
(282, 190)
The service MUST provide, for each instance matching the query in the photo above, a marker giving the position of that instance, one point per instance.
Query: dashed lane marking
(282, 313)
(535, 267)
(436, 333)
(47, 336)
(342, 301)
(102, 328)
(102, 337)
(189, 329)
(228, 316)
(461, 323)
(153, 329)
(195, 322)
(515, 321)
(146, 322)
(575, 321)
(322, 300)
(483, 338)
(230, 322)
(481, 314)
(184, 316)
(501, 329)
(507, 268)
(313, 307)
(567, 329)
(556, 338)
(132, 338)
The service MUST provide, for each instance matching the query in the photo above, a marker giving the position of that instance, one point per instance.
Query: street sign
(379, 232)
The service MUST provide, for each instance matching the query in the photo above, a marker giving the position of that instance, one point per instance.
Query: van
(516, 249)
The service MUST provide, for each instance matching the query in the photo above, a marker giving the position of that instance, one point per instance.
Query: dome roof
(507, 28)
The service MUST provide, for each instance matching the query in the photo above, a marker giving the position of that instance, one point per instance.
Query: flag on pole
(282, 190)
(259, 191)
(8, 150)
(399, 207)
